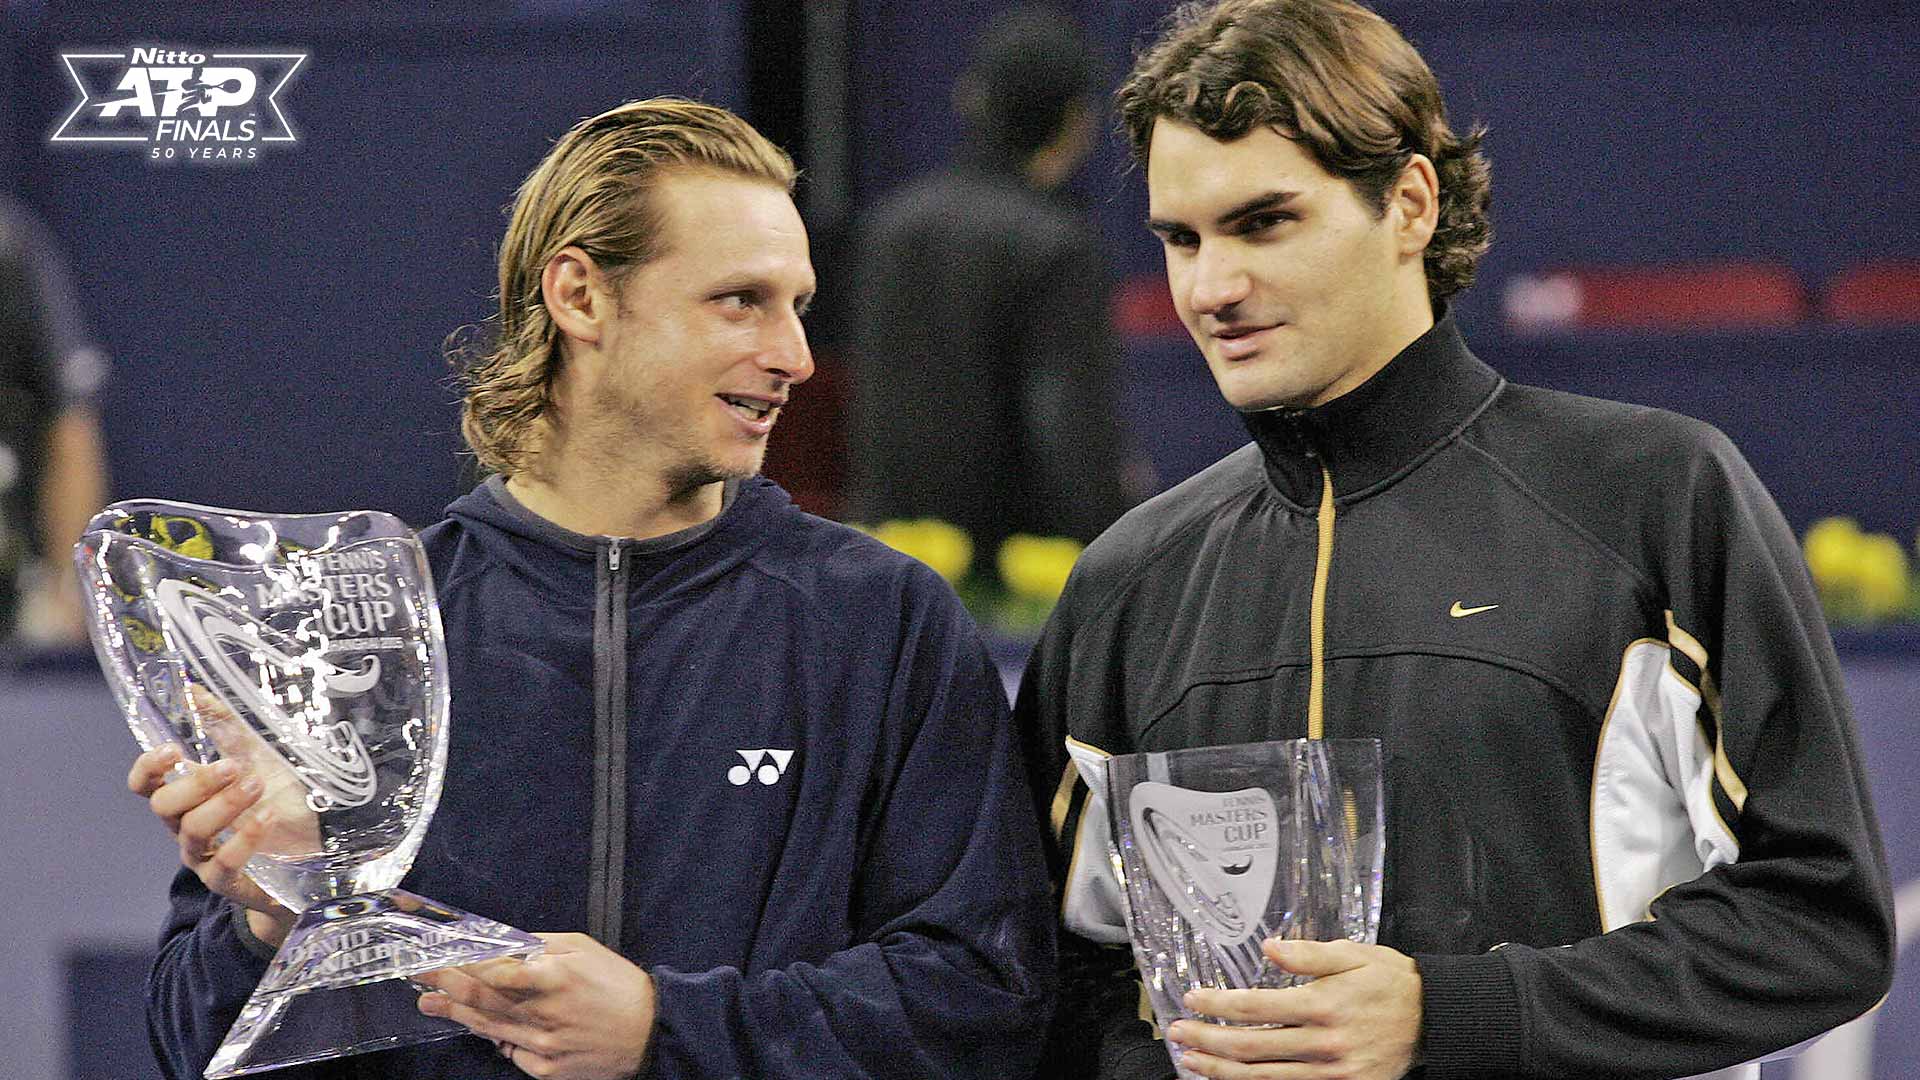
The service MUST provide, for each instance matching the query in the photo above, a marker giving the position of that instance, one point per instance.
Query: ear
(1414, 200)
(576, 294)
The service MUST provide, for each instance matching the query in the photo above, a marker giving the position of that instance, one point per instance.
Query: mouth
(757, 413)
(1242, 340)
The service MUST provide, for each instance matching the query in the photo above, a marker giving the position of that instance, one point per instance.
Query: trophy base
(340, 983)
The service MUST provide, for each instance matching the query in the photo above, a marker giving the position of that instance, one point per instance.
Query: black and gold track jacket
(1628, 826)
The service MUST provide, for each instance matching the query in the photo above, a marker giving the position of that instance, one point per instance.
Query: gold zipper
(1317, 636)
(1317, 632)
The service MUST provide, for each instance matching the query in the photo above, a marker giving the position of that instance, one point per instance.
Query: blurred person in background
(984, 364)
(52, 469)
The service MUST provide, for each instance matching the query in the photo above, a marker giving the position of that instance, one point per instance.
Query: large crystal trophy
(1222, 847)
(307, 648)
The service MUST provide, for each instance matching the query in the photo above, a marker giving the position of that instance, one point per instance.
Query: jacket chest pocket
(1228, 709)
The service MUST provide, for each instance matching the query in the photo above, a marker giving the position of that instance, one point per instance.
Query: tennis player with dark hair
(1629, 833)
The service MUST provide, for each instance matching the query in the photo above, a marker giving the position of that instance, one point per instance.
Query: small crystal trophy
(1221, 847)
(309, 648)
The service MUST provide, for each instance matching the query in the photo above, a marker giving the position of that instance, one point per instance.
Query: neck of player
(596, 497)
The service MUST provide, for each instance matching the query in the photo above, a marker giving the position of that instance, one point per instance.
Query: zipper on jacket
(1317, 638)
(1317, 628)
(606, 866)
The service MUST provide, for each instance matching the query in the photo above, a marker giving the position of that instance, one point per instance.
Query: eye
(1184, 239)
(1255, 224)
(739, 300)
(803, 305)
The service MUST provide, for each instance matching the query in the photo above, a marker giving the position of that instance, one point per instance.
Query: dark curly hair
(1334, 77)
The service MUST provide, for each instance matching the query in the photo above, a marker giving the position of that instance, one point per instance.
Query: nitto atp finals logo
(179, 103)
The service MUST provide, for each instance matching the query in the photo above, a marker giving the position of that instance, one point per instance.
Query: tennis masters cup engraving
(1219, 848)
(308, 648)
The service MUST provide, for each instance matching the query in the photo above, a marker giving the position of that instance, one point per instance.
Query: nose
(1218, 281)
(786, 355)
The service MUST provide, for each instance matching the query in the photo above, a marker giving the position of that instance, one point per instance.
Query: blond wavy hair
(1334, 77)
(591, 192)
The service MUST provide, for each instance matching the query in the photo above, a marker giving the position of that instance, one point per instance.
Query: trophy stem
(340, 982)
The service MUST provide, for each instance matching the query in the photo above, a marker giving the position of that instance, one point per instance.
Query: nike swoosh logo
(1459, 612)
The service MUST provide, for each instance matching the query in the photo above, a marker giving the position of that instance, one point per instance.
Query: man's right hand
(255, 800)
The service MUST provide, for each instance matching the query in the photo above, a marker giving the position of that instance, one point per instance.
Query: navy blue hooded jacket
(872, 903)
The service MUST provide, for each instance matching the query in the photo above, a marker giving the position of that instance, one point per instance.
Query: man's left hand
(579, 1011)
(1359, 1018)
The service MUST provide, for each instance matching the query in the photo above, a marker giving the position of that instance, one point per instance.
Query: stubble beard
(688, 467)
(685, 479)
(692, 468)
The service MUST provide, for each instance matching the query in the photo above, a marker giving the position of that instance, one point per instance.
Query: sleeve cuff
(1141, 1061)
(684, 1003)
(243, 930)
(1470, 1016)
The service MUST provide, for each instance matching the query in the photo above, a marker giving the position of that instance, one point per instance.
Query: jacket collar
(536, 527)
(553, 557)
(1369, 435)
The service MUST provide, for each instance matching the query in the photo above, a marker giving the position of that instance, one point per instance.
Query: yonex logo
(766, 765)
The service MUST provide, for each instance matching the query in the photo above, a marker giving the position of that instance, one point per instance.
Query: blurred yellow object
(1830, 546)
(1036, 567)
(1862, 577)
(942, 546)
(1882, 576)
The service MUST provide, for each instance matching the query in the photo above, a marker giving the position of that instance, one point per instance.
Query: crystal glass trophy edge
(311, 646)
